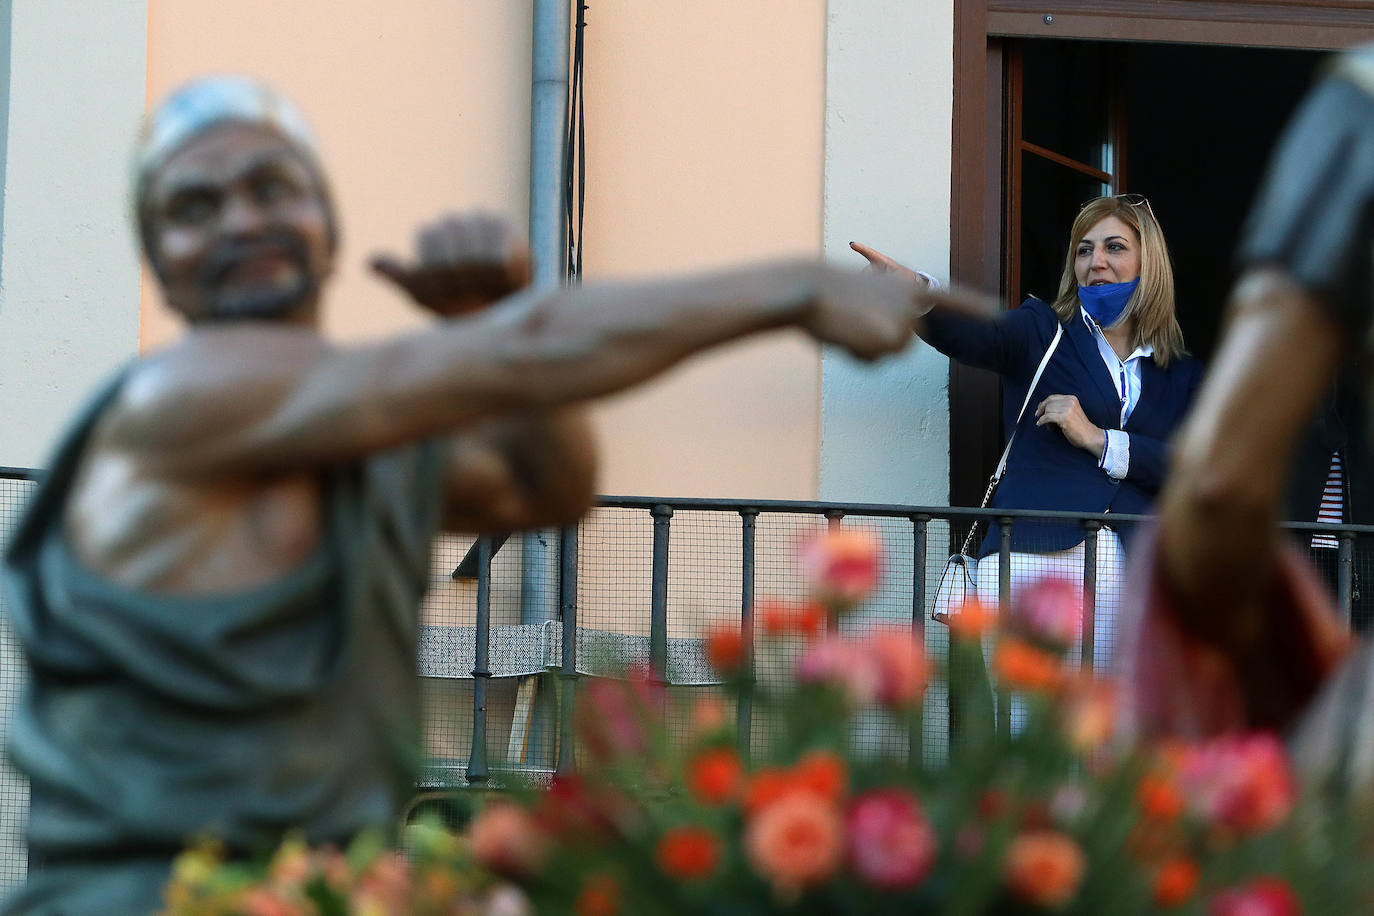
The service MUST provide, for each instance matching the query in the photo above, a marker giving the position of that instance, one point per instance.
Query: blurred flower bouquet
(1028, 811)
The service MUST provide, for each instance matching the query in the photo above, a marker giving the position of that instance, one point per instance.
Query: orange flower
(1089, 714)
(709, 716)
(796, 841)
(1175, 882)
(600, 896)
(1044, 867)
(822, 772)
(726, 649)
(1021, 666)
(715, 776)
(783, 618)
(688, 853)
(1159, 799)
(972, 620)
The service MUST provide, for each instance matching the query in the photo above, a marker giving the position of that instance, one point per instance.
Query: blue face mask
(1106, 302)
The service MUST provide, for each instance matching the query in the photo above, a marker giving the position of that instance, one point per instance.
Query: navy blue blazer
(1044, 471)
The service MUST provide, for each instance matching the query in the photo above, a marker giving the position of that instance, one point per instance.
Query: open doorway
(1188, 126)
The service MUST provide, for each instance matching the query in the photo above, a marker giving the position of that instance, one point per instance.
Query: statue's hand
(463, 263)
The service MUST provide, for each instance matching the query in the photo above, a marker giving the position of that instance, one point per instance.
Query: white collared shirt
(1125, 373)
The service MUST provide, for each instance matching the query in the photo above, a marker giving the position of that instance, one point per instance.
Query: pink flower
(900, 660)
(1051, 611)
(891, 845)
(1242, 782)
(611, 721)
(1262, 897)
(842, 565)
(507, 840)
(840, 663)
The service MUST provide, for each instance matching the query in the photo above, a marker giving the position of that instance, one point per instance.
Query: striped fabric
(1333, 502)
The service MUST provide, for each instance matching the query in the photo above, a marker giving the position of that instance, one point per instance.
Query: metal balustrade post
(1003, 610)
(658, 597)
(1345, 576)
(1090, 529)
(919, 525)
(567, 675)
(915, 726)
(832, 617)
(744, 717)
(478, 772)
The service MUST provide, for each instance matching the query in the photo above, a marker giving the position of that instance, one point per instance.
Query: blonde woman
(1093, 437)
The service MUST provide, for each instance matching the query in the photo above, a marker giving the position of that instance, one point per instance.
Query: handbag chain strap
(1002, 464)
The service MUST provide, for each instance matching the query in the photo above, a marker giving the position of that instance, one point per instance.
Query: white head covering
(209, 102)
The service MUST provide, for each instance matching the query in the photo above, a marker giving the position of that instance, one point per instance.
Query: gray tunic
(149, 719)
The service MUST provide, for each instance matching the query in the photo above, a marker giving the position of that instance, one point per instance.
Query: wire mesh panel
(14, 790)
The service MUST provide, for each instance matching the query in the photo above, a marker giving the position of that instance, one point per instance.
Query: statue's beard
(230, 298)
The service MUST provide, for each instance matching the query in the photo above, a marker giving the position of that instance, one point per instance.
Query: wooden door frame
(976, 184)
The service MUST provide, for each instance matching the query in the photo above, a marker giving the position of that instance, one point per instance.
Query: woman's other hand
(1064, 411)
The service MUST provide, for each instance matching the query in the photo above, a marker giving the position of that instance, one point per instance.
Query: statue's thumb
(391, 269)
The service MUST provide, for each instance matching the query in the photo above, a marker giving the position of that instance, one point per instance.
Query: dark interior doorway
(1189, 126)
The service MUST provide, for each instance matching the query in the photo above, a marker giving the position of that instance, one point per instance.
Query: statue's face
(239, 228)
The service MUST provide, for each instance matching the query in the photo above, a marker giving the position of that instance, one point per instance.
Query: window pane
(1066, 98)
(1051, 196)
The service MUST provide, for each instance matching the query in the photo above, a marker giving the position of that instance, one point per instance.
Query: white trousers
(1067, 564)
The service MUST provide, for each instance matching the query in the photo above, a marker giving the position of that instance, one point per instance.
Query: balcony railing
(640, 579)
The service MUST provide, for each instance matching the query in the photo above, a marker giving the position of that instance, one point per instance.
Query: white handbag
(959, 577)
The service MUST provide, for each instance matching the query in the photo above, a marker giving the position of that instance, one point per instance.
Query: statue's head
(233, 210)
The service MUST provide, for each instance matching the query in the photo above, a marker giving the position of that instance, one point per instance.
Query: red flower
(715, 776)
(1044, 867)
(1242, 782)
(726, 649)
(1159, 799)
(842, 565)
(783, 618)
(600, 896)
(688, 853)
(823, 773)
(891, 845)
(1175, 882)
(1262, 897)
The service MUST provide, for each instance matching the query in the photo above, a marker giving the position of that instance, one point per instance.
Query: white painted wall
(888, 105)
(69, 277)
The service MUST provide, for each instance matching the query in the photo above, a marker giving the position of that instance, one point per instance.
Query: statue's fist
(464, 262)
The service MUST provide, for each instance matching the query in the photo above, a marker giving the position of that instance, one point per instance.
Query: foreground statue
(216, 584)
(1234, 631)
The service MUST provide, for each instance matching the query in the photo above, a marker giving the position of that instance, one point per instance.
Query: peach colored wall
(705, 137)
(419, 107)
(704, 148)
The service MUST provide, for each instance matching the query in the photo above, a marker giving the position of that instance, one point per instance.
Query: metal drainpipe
(548, 125)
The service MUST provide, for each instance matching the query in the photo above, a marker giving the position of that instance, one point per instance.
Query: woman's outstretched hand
(881, 263)
(1064, 411)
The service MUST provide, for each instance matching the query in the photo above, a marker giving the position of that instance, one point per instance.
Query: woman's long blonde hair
(1152, 305)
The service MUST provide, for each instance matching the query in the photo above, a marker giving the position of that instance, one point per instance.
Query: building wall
(704, 148)
(888, 104)
(69, 282)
